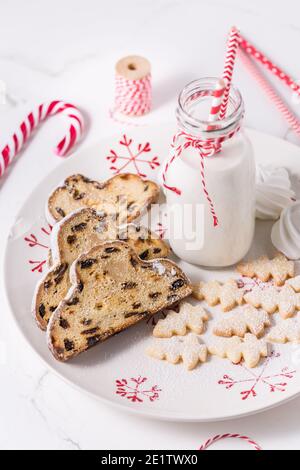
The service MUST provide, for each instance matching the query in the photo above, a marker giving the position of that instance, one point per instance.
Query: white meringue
(273, 192)
(286, 232)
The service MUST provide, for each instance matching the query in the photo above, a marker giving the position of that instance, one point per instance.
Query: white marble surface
(67, 49)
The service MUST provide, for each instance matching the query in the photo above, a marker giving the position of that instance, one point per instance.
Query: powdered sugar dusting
(248, 319)
(188, 349)
(159, 267)
(286, 331)
(189, 317)
(250, 349)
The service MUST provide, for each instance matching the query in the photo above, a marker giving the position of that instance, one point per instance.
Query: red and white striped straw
(266, 62)
(219, 437)
(28, 126)
(217, 101)
(230, 56)
(270, 92)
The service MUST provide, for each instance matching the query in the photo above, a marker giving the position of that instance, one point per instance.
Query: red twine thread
(206, 148)
(219, 437)
(133, 97)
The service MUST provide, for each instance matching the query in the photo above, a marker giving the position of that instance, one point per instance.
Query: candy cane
(214, 439)
(26, 128)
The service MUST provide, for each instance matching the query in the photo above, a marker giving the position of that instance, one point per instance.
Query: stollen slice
(112, 289)
(126, 196)
(75, 235)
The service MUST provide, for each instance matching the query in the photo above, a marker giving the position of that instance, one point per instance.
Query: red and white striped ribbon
(133, 97)
(206, 148)
(40, 114)
(230, 56)
(219, 437)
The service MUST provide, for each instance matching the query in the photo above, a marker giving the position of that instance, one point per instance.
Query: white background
(67, 49)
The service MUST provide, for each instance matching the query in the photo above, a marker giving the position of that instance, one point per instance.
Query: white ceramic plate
(118, 371)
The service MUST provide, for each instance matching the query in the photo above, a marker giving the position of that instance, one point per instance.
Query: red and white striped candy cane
(27, 127)
(214, 439)
(230, 56)
(270, 92)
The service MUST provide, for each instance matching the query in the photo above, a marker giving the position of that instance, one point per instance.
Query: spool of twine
(133, 90)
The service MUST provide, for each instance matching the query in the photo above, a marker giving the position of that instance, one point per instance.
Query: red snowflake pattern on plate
(34, 241)
(134, 158)
(134, 389)
(273, 382)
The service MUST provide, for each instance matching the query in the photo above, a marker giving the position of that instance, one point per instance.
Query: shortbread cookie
(294, 283)
(285, 300)
(285, 331)
(235, 349)
(266, 298)
(112, 289)
(190, 317)
(247, 319)
(76, 234)
(125, 196)
(278, 268)
(213, 292)
(188, 350)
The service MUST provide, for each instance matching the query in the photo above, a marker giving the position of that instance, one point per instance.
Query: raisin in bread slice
(126, 196)
(112, 289)
(76, 234)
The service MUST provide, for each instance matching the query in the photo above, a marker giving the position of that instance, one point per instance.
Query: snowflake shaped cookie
(235, 349)
(213, 292)
(188, 350)
(286, 300)
(249, 319)
(285, 331)
(278, 268)
(190, 317)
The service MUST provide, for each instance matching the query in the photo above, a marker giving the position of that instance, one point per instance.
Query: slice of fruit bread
(75, 235)
(126, 196)
(112, 289)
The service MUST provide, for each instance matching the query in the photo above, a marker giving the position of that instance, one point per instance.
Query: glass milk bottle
(209, 180)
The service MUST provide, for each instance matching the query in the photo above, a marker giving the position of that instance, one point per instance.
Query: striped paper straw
(230, 56)
(266, 62)
(217, 101)
(270, 92)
